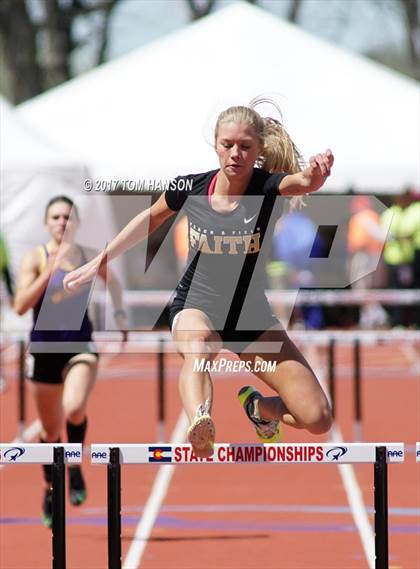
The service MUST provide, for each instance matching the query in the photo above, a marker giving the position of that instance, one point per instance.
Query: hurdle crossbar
(378, 454)
(326, 297)
(145, 341)
(160, 343)
(57, 455)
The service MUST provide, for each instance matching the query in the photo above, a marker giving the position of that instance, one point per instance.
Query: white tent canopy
(32, 171)
(150, 113)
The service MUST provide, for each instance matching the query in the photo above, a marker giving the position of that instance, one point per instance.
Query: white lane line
(30, 432)
(157, 495)
(28, 435)
(356, 503)
(412, 354)
(350, 484)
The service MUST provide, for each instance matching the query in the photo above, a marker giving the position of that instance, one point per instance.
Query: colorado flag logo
(158, 454)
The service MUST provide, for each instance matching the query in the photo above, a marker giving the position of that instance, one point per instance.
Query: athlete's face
(61, 219)
(237, 147)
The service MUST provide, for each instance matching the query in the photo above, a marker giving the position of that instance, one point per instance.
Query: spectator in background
(365, 240)
(410, 231)
(4, 268)
(7, 278)
(411, 227)
(399, 252)
(294, 239)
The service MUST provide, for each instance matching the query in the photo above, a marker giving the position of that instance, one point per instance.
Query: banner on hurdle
(39, 453)
(346, 453)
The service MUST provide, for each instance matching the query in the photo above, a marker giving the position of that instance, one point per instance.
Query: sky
(358, 25)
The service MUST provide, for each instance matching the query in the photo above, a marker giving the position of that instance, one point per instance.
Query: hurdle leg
(22, 393)
(331, 374)
(114, 509)
(357, 433)
(161, 391)
(381, 509)
(59, 510)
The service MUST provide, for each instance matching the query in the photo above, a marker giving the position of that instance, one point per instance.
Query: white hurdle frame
(56, 454)
(379, 454)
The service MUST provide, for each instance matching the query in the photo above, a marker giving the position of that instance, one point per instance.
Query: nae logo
(395, 454)
(336, 453)
(72, 454)
(14, 453)
(99, 454)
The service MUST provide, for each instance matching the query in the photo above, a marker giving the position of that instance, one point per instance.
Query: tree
(293, 11)
(37, 40)
(407, 59)
(200, 9)
(411, 11)
(407, 11)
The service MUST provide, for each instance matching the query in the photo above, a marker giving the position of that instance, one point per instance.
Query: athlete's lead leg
(198, 344)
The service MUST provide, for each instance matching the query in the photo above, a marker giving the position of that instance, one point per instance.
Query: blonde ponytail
(279, 152)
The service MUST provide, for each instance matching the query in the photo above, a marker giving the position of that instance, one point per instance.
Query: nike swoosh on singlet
(250, 219)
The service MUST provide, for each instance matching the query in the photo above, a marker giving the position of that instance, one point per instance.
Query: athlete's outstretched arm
(311, 178)
(136, 230)
(32, 282)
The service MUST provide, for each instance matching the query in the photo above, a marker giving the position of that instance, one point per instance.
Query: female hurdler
(220, 300)
(64, 360)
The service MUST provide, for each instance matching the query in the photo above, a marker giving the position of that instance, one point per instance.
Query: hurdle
(301, 297)
(57, 455)
(357, 383)
(326, 297)
(22, 390)
(161, 418)
(160, 343)
(379, 454)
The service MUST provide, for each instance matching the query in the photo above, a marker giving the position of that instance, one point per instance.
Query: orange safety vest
(359, 238)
